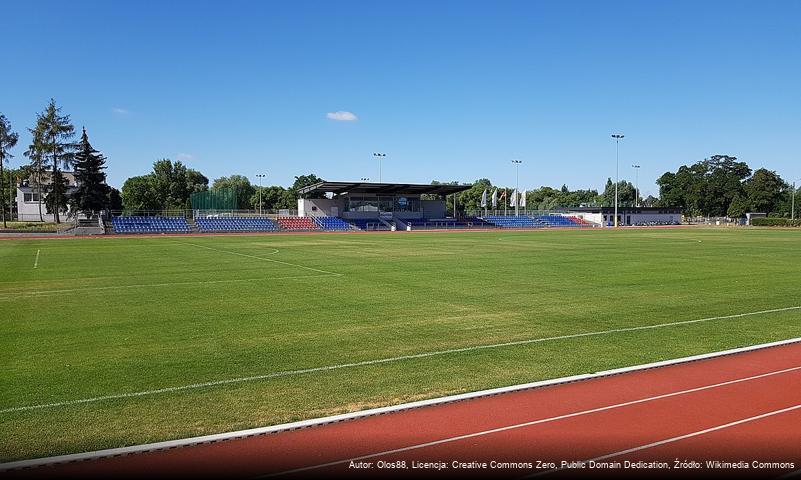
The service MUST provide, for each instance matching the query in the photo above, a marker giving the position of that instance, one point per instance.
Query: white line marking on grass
(675, 439)
(557, 418)
(261, 258)
(36, 261)
(381, 410)
(39, 293)
(325, 368)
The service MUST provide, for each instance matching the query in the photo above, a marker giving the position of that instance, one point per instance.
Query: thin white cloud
(120, 111)
(342, 116)
(184, 157)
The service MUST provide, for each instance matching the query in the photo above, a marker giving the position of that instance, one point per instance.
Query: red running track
(740, 409)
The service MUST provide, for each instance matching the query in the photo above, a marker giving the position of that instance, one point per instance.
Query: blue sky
(449, 90)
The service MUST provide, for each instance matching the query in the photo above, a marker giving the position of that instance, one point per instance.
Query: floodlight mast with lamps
(617, 137)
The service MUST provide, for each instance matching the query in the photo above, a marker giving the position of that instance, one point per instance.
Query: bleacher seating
(556, 221)
(235, 224)
(332, 224)
(581, 221)
(297, 223)
(138, 224)
(512, 221)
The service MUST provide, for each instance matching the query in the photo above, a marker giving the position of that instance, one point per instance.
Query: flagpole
(517, 185)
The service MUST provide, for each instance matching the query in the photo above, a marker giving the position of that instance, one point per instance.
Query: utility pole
(636, 185)
(617, 137)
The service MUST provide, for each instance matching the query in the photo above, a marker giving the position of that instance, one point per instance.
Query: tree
(8, 139)
(92, 192)
(765, 191)
(57, 199)
(37, 166)
(650, 201)
(114, 199)
(707, 187)
(167, 187)
(241, 185)
(738, 207)
(626, 193)
(139, 193)
(724, 177)
(55, 132)
(274, 198)
(470, 200)
(304, 181)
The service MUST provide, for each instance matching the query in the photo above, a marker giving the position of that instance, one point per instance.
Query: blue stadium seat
(235, 224)
(522, 221)
(332, 224)
(140, 224)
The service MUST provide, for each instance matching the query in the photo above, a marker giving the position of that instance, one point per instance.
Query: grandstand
(355, 206)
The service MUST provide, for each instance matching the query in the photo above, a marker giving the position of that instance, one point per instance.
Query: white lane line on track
(261, 258)
(674, 439)
(288, 373)
(40, 293)
(359, 414)
(539, 422)
(36, 261)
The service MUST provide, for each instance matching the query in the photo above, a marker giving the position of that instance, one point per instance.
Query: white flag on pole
(495, 199)
(513, 199)
(523, 198)
(484, 199)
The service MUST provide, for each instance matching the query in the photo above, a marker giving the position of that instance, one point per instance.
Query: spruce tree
(8, 139)
(92, 192)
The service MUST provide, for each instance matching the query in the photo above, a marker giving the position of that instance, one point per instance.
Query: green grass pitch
(114, 316)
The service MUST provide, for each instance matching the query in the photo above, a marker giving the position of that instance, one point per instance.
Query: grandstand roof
(383, 188)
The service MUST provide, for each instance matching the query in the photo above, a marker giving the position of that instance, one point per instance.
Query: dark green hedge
(775, 222)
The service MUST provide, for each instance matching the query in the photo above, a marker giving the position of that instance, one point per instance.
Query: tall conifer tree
(92, 192)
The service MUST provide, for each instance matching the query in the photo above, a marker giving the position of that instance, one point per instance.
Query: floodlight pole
(517, 186)
(617, 137)
(260, 176)
(792, 209)
(636, 185)
(379, 156)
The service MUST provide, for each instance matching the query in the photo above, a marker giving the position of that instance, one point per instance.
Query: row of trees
(53, 149)
(723, 186)
(545, 198)
(169, 186)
